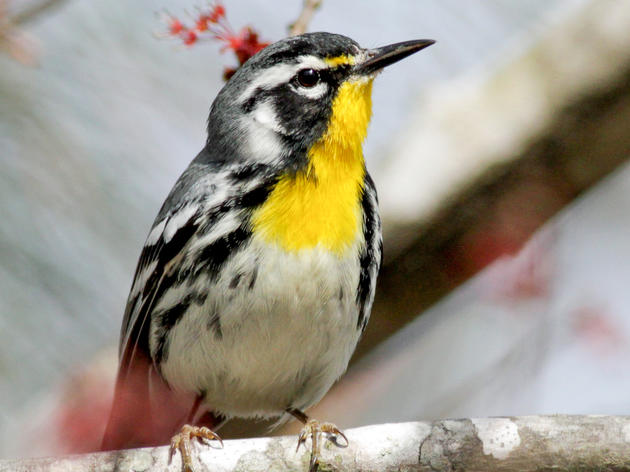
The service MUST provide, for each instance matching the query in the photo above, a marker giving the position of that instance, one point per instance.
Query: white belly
(286, 331)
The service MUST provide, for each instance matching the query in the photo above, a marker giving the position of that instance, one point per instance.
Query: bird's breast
(284, 331)
(306, 211)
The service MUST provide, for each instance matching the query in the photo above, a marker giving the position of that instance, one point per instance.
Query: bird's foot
(182, 442)
(315, 430)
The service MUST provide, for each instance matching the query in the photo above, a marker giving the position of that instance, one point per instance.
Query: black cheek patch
(304, 118)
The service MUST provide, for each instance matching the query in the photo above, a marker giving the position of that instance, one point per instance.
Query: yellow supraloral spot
(320, 206)
(340, 60)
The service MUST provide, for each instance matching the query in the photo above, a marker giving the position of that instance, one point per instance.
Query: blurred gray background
(98, 118)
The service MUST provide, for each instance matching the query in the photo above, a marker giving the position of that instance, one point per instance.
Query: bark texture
(528, 443)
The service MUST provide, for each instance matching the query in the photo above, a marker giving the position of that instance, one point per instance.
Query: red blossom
(209, 17)
(596, 325)
(212, 22)
(175, 26)
(246, 44)
(189, 37)
(217, 13)
(202, 23)
(527, 275)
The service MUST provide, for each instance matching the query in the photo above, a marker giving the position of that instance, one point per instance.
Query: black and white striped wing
(163, 250)
(199, 206)
(138, 384)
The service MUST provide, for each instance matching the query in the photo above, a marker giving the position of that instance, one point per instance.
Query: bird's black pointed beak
(387, 55)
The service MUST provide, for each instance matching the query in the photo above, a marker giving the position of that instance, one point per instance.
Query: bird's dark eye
(308, 77)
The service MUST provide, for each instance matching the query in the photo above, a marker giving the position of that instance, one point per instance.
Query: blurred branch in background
(34, 10)
(494, 157)
(12, 39)
(300, 26)
(500, 444)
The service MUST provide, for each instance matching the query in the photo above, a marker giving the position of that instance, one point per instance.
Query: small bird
(257, 277)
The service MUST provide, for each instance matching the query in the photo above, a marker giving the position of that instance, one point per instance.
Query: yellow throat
(321, 205)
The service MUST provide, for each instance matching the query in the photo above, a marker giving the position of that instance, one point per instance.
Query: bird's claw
(314, 429)
(182, 442)
(333, 433)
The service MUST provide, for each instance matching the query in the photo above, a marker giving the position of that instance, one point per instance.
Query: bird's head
(299, 91)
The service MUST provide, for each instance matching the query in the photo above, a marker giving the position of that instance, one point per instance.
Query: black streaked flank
(214, 323)
(235, 280)
(165, 319)
(368, 260)
(252, 281)
(363, 290)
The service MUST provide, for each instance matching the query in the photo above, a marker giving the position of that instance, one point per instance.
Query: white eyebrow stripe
(311, 61)
(281, 74)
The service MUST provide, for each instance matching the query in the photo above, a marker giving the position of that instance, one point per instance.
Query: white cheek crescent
(265, 115)
(314, 93)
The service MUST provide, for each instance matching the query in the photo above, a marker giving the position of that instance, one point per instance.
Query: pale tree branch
(13, 40)
(477, 155)
(300, 25)
(559, 442)
(34, 11)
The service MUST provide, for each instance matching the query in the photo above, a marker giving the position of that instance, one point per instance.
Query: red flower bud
(218, 12)
(202, 23)
(175, 26)
(189, 37)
